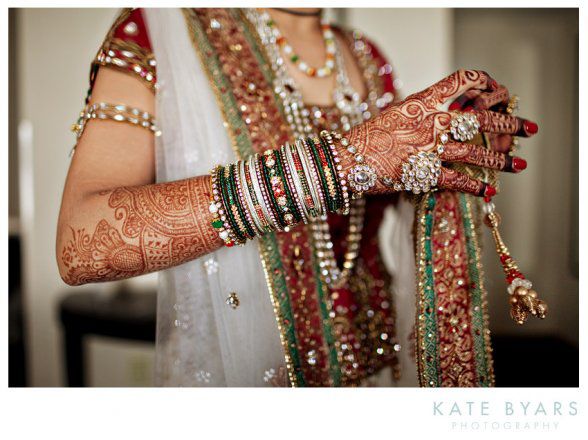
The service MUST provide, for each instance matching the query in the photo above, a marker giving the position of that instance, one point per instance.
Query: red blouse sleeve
(127, 48)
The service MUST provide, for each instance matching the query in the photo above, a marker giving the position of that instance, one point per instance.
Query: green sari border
(427, 336)
(478, 297)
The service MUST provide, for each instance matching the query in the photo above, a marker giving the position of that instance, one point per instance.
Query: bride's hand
(414, 125)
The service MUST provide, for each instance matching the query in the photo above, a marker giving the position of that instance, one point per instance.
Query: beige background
(534, 52)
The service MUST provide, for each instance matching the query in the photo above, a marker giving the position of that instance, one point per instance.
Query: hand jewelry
(362, 176)
(464, 126)
(420, 173)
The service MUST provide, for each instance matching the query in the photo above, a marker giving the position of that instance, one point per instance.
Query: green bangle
(331, 203)
(228, 201)
(267, 174)
(327, 152)
(289, 197)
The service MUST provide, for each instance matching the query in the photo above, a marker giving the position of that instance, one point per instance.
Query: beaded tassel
(523, 299)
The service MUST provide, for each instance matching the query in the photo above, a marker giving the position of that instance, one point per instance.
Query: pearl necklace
(329, 39)
(298, 116)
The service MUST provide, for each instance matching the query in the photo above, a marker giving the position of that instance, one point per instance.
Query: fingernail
(531, 127)
(454, 105)
(493, 84)
(519, 164)
(468, 108)
(490, 191)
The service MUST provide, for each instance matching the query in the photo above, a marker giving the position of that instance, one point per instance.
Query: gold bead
(528, 302)
(542, 309)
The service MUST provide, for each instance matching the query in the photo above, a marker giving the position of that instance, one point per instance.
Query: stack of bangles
(278, 189)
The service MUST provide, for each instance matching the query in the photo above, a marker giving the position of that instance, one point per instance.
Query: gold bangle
(115, 112)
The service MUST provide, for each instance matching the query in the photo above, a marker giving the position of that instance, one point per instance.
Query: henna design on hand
(456, 181)
(494, 122)
(498, 97)
(476, 155)
(163, 225)
(414, 124)
(411, 125)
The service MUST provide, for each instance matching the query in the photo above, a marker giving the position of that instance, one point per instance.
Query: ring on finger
(464, 126)
(420, 173)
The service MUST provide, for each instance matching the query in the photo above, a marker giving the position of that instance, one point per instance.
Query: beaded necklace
(329, 39)
(352, 111)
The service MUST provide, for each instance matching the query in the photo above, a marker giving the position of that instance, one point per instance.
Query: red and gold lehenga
(217, 99)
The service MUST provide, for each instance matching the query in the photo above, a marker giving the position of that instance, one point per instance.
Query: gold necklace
(298, 116)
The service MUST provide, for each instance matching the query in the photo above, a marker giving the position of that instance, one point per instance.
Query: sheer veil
(202, 341)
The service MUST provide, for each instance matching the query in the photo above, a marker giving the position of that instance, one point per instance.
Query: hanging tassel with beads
(523, 299)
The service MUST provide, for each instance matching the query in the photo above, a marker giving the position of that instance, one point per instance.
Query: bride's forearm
(131, 231)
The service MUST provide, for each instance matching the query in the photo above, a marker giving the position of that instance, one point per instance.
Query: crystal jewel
(211, 266)
(233, 300)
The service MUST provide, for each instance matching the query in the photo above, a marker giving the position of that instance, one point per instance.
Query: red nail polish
(490, 191)
(454, 105)
(531, 127)
(468, 108)
(519, 164)
(487, 199)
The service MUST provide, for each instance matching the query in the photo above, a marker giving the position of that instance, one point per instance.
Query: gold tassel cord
(524, 300)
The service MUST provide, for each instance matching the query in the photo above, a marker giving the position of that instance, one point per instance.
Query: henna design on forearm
(163, 225)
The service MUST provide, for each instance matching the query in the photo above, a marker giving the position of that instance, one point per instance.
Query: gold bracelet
(115, 112)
